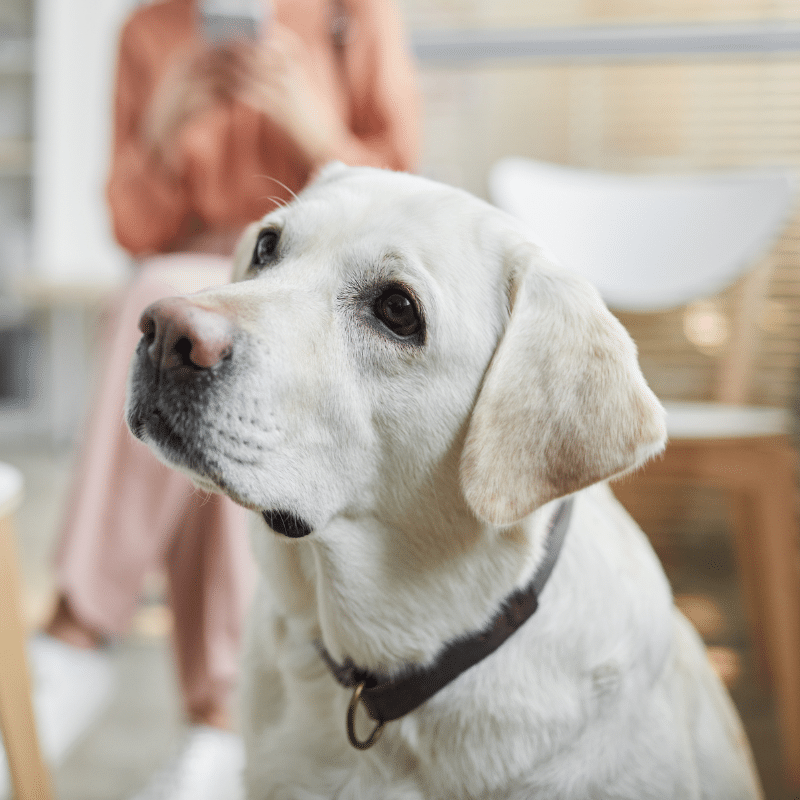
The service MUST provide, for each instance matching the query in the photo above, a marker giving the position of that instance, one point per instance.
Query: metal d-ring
(351, 723)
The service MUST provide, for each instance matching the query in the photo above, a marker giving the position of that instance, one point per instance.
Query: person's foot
(71, 687)
(208, 766)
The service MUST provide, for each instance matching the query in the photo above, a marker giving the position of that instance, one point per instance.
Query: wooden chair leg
(748, 562)
(29, 775)
(762, 473)
(775, 522)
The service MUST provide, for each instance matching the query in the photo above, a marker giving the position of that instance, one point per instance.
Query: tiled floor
(144, 724)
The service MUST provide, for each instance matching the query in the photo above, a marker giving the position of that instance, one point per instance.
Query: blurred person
(208, 137)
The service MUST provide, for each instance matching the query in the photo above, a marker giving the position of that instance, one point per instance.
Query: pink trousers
(129, 515)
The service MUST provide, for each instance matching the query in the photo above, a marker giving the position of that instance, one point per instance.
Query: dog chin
(162, 444)
(283, 522)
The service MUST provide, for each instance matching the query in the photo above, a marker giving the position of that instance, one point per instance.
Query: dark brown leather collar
(387, 700)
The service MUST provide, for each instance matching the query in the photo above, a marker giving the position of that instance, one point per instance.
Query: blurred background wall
(16, 129)
(673, 113)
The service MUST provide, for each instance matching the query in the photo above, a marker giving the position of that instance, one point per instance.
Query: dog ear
(563, 404)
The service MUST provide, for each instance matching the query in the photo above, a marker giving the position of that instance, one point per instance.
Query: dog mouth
(180, 452)
(154, 428)
(185, 438)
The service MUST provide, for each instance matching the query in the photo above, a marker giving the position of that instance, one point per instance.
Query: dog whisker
(280, 183)
(280, 202)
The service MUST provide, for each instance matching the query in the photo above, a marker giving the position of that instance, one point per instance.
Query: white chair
(651, 243)
(29, 775)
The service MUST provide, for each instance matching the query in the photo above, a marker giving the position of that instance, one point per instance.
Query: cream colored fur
(429, 472)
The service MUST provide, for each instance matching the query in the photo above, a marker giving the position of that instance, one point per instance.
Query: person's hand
(199, 78)
(277, 82)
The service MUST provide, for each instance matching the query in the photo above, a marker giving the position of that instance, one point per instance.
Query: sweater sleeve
(383, 89)
(149, 205)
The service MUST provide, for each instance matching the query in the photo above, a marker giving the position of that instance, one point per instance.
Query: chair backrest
(647, 242)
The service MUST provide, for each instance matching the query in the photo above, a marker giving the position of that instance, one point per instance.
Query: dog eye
(398, 312)
(266, 247)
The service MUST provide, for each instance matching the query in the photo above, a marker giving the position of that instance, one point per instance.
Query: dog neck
(390, 699)
(385, 609)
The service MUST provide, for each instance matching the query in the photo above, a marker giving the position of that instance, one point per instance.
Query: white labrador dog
(406, 389)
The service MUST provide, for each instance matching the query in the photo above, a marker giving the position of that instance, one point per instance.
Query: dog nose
(179, 334)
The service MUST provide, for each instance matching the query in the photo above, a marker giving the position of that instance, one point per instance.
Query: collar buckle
(351, 723)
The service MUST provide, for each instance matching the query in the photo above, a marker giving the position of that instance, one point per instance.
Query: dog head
(387, 336)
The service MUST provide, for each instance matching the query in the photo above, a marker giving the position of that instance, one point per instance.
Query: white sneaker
(71, 687)
(208, 766)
